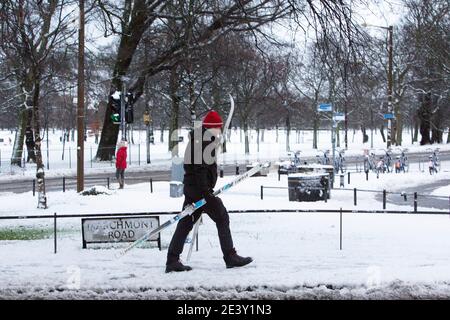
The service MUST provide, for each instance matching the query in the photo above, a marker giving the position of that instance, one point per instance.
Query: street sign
(339, 116)
(324, 107)
(388, 116)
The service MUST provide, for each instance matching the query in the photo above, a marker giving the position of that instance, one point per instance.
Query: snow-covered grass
(296, 255)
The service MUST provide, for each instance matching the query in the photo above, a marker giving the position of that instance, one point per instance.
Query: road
(131, 177)
(56, 183)
(423, 199)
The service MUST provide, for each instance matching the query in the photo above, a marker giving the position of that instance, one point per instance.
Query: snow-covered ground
(296, 255)
(270, 149)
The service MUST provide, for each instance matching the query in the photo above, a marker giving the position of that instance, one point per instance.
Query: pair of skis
(191, 208)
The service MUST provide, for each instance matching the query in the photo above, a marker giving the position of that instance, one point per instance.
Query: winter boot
(177, 266)
(234, 260)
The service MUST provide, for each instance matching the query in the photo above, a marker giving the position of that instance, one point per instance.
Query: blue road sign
(388, 116)
(324, 107)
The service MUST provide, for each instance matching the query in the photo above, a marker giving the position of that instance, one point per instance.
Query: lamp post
(390, 30)
(80, 101)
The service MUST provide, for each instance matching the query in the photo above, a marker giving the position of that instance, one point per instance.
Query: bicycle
(324, 160)
(369, 161)
(339, 163)
(387, 159)
(434, 163)
(404, 163)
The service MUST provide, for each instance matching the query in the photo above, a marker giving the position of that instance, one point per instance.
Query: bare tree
(31, 32)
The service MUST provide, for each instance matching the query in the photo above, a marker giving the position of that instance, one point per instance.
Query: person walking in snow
(200, 177)
(121, 162)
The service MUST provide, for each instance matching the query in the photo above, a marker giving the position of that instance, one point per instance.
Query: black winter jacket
(200, 172)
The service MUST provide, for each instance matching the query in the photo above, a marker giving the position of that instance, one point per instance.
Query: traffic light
(146, 118)
(115, 104)
(129, 103)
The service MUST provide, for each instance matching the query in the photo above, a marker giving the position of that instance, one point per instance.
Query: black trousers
(215, 210)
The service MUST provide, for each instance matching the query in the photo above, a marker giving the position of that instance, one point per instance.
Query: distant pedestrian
(121, 162)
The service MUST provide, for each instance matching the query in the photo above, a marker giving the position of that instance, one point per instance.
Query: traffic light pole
(147, 125)
(122, 110)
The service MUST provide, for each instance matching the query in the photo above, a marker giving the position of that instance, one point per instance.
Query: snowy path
(296, 254)
(423, 201)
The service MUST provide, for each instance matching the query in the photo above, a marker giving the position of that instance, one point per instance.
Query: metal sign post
(335, 118)
(147, 124)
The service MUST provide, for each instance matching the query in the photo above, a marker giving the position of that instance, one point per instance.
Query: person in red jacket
(121, 162)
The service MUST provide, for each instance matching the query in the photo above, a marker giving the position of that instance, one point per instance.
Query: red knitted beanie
(212, 120)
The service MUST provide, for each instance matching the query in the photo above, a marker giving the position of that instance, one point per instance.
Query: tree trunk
(364, 133)
(161, 137)
(257, 138)
(338, 138)
(40, 174)
(399, 129)
(247, 142)
(382, 133)
(436, 135)
(424, 115)
(17, 152)
(416, 130)
(127, 47)
(173, 126)
(30, 137)
(288, 131)
(315, 129)
(437, 131)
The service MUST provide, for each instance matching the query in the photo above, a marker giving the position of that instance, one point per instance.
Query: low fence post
(367, 175)
(91, 156)
(384, 199)
(348, 178)
(279, 174)
(354, 197)
(139, 154)
(64, 184)
(415, 201)
(340, 229)
(237, 169)
(151, 185)
(221, 172)
(262, 192)
(54, 232)
(107, 182)
(34, 187)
